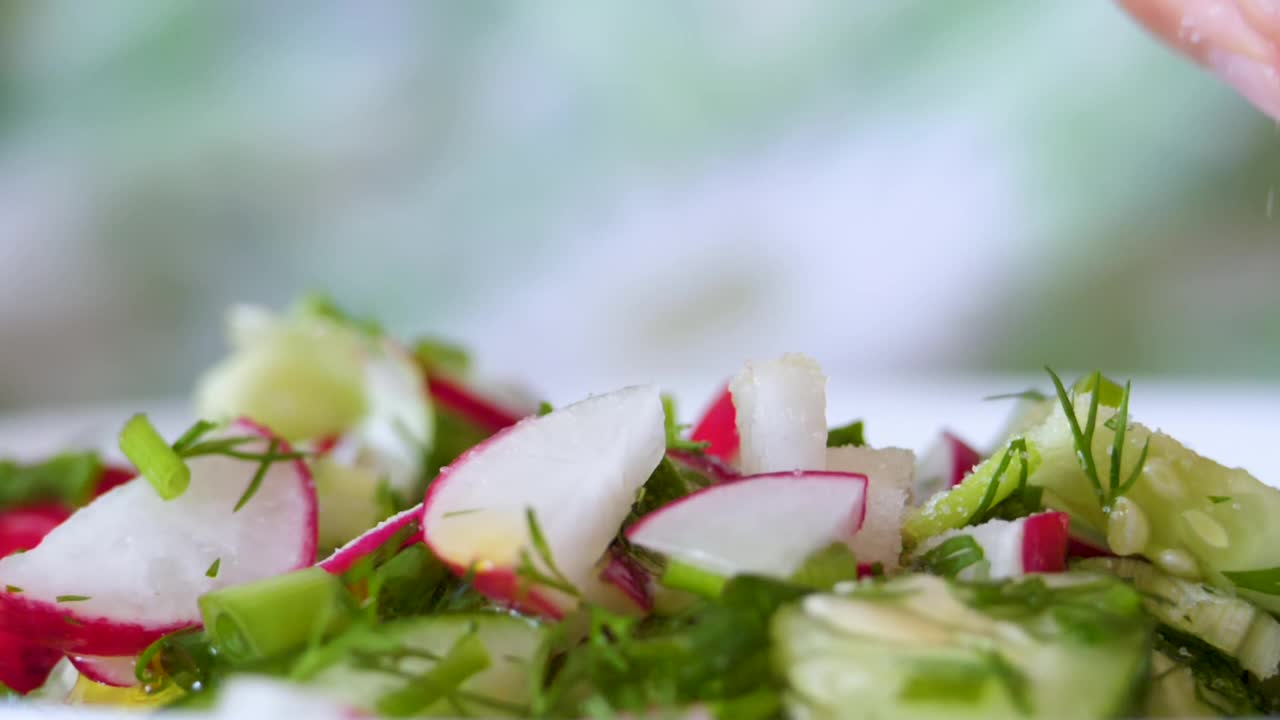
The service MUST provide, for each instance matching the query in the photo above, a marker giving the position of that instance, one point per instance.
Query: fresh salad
(358, 527)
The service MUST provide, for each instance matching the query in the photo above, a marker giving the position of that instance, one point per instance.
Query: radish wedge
(944, 466)
(763, 524)
(128, 567)
(24, 666)
(113, 671)
(1013, 548)
(348, 555)
(719, 427)
(575, 470)
(888, 472)
(470, 405)
(781, 415)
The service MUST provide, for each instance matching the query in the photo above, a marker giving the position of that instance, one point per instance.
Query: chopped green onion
(1262, 581)
(465, 659)
(851, 434)
(267, 618)
(545, 408)
(682, 576)
(71, 598)
(154, 458)
(192, 435)
(673, 429)
(213, 569)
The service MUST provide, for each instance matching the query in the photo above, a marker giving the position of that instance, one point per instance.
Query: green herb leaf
(466, 658)
(851, 434)
(545, 408)
(1219, 499)
(320, 305)
(827, 567)
(530, 573)
(212, 572)
(258, 476)
(12, 589)
(1266, 581)
(953, 555)
(1108, 391)
(674, 430)
(66, 479)
(154, 458)
(442, 356)
(193, 435)
(71, 598)
(1031, 394)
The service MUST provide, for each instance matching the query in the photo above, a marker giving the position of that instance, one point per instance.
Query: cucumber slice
(1201, 519)
(919, 646)
(1177, 693)
(503, 689)
(1229, 624)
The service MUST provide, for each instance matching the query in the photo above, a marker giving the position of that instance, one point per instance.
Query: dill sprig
(1016, 448)
(529, 572)
(674, 430)
(1117, 485)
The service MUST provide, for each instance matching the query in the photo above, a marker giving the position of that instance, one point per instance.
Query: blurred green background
(894, 186)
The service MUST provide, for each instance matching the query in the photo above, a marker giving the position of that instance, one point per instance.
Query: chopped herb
(1030, 394)
(1083, 438)
(953, 555)
(71, 621)
(674, 430)
(544, 408)
(258, 476)
(192, 435)
(65, 479)
(1016, 448)
(12, 589)
(851, 434)
(827, 567)
(212, 572)
(1219, 499)
(320, 305)
(71, 598)
(693, 579)
(458, 513)
(442, 356)
(1262, 581)
(530, 573)
(154, 458)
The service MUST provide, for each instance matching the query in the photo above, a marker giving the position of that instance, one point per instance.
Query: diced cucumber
(1202, 519)
(1227, 623)
(502, 689)
(1176, 693)
(918, 646)
(989, 483)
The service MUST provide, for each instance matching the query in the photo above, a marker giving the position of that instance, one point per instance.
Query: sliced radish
(24, 665)
(470, 404)
(631, 579)
(719, 426)
(943, 466)
(348, 555)
(113, 476)
(707, 465)
(888, 472)
(113, 671)
(766, 524)
(129, 566)
(1012, 548)
(23, 528)
(781, 415)
(576, 469)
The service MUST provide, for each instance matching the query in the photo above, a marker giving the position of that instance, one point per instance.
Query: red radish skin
(470, 405)
(69, 628)
(113, 671)
(631, 579)
(963, 458)
(1044, 542)
(708, 465)
(24, 666)
(113, 476)
(1084, 549)
(719, 426)
(23, 528)
(348, 555)
(684, 529)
